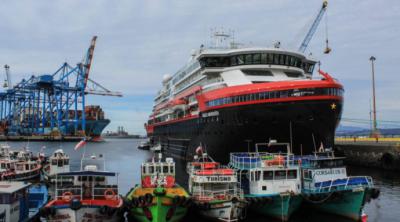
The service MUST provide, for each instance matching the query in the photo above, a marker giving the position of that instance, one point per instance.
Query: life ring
(109, 194)
(67, 196)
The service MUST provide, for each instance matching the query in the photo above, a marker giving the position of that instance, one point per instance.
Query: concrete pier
(370, 152)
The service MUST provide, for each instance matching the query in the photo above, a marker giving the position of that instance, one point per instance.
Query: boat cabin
(14, 201)
(266, 174)
(59, 162)
(322, 169)
(89, 183)
(158, 173)
(211, 181)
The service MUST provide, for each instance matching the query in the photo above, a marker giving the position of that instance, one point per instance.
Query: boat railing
(223, 194)
(250, 160)
(108, 192)
(341, 184)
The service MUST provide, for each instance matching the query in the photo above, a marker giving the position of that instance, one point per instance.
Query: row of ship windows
(257, 58)
(276, 94)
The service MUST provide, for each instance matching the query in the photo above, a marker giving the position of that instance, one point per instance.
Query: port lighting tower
(375, 132)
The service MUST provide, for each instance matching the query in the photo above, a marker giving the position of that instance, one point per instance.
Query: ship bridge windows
(256, 58)
(276, 95)
(251, 72)
(293, 74)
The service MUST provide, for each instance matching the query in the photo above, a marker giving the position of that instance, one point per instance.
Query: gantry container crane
(44, 103)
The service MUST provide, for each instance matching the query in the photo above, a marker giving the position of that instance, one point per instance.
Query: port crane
(313, 29)
(44, 103)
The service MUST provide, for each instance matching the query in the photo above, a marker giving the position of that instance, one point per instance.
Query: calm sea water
(122, 156)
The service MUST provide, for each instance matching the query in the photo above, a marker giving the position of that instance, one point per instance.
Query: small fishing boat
(144, 145)
(158, 198)
(92, 197)
(215, 190)
(271, 181)
(37, 198)
(328, 188)
(58, 163)
(20, 167)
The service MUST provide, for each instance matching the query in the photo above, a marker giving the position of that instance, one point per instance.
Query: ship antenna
(315, 147)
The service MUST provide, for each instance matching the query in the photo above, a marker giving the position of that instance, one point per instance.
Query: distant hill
(359, 131)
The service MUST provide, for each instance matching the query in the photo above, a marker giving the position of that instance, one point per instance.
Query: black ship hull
(303, 124)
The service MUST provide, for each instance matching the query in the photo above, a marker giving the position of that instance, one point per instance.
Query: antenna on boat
(315, 146)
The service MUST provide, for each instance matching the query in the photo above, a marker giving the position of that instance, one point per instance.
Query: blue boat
(326, 186)
(37, 198)
(271, 181)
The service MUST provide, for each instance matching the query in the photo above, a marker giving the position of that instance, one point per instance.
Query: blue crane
(48, 102)
(313, 29)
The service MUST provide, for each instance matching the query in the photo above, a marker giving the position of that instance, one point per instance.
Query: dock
(383, 153)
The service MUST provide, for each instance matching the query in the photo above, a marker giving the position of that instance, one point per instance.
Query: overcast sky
(140, 41)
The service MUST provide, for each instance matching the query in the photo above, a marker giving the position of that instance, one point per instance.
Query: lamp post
(375, 132)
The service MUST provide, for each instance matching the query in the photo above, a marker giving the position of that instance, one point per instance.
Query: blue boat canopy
(88, 173)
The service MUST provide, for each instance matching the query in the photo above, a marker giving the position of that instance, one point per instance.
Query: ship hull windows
(276, 94)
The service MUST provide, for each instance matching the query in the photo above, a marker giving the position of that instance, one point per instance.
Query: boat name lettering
(328, 171)
(210, 114)
(217, 178)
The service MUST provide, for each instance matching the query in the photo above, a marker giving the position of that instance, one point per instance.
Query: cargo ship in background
(95, 124)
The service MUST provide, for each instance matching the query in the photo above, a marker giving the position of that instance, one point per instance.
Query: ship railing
(342, 184)
(221, 194)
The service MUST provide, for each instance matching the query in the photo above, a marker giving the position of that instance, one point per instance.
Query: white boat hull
(226, 211)
(84, 214)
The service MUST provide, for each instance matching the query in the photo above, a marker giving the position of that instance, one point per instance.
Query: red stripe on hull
(290, 99)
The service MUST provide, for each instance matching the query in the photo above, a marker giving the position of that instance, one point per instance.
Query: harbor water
(122, 156)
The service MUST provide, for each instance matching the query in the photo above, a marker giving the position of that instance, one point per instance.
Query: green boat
(327, 188)
(271, 182)
(158, 198)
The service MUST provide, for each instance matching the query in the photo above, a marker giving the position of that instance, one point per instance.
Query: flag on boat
(81, 143)
(199, 150)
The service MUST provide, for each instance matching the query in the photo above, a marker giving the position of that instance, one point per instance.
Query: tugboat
(58, 163)
(20, 201)
(215, 190)
(90, 198)
(158, 198)
(271, 181)
(326, 186)
(19, 167)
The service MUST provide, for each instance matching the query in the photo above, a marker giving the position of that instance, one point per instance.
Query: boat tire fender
(142, 201)
(52, 211)
(148, 198)
(176, 200)
(104, 209)
(188, 202)
(75, 204)
(235, 200)
(375, 193)
(182, 201)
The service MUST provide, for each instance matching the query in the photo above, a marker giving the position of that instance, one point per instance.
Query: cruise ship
(227, 98)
